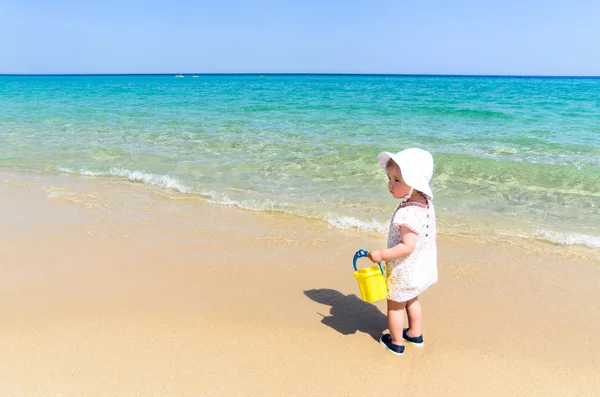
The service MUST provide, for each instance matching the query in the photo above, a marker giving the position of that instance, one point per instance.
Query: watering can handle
(361, 253)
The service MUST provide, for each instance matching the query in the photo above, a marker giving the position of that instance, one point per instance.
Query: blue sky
(262, 36)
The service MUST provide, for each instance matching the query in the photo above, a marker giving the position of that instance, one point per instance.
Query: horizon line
(303, 74)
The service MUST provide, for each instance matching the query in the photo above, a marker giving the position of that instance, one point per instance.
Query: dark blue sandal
(386, 341)
(417, 340)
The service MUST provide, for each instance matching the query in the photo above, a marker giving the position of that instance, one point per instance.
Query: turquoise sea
(514, 156)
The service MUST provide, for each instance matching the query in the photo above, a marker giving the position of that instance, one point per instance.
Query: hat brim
(412, 180)
(384, 157)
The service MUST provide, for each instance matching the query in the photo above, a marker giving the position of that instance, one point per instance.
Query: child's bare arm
(405, 248)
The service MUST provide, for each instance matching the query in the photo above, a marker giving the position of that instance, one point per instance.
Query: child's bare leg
(395, 313)
(413, 312)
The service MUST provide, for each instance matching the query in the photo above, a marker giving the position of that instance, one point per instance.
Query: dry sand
(118, 289)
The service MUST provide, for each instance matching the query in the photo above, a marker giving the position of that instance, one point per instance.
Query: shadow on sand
(349, 313)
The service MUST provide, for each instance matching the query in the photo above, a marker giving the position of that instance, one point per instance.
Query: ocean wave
(250, 204)
(214, 197)
(164, 181)
(349, 222)
(568, 238)
(336, 220)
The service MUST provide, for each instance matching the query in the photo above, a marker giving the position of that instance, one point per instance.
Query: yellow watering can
(371, 280)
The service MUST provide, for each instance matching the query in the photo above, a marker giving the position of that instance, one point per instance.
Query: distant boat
(179, 76)
(261, 76)
(195, 77)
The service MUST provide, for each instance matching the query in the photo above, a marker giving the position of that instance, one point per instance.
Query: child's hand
(375, 256)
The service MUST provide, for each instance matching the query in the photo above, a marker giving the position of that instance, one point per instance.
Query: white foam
(165, 181)
(349, 222)
(335, 220)
(252, 205)
(569, 238)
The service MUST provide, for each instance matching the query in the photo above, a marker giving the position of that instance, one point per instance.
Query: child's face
(396, 184)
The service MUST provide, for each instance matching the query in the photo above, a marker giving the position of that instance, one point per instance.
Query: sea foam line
(569, 238)
(336, 220)
(165, 181)
(251, 205)
(349, 222)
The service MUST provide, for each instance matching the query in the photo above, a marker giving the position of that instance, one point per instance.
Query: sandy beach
(110, 288)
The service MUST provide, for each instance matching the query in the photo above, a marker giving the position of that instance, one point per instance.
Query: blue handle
(361, 253)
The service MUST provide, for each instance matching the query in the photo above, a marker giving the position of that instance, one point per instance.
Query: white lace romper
(408, 277)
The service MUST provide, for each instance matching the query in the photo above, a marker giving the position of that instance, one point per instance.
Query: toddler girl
(411, 255)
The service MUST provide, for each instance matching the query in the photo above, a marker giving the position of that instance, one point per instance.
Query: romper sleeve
(409, 217)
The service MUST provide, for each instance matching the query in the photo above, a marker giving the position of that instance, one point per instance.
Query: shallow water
(514, 156)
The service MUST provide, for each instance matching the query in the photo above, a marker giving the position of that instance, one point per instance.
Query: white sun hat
(416, 166)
